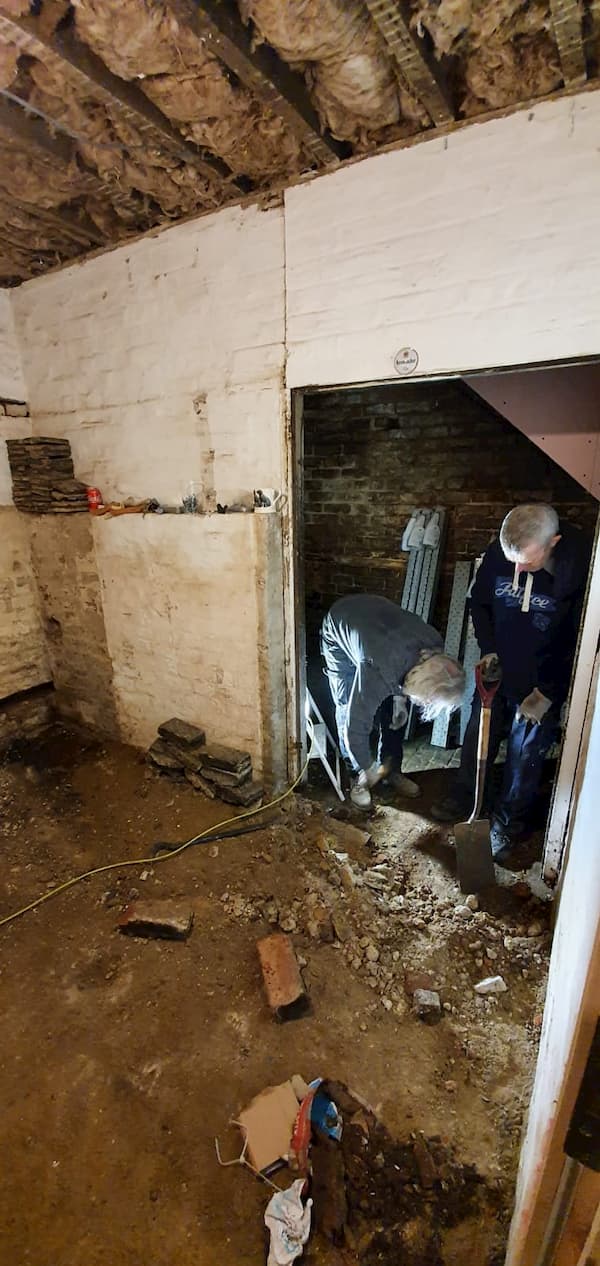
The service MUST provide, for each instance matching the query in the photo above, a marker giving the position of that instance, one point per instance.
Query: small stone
(491, 953)
(535, 929)
(396, 956)
(472, 902)
(213, 850)
(363, 1027)
(271, 912)
(302, 962)
(357, 963)
(450, 1086)
(427, 1005)
(447, 1006)
(491, 985)
(419, 923)
(371, 953)
(387, 1003)
(341, 925)
(238, 906)
(463, 912)
(364, 941)
(288, 923)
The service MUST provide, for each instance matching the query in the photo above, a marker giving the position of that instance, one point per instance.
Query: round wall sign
(406, 361)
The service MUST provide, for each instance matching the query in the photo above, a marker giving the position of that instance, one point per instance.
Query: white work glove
(399, 713)
(490, 666)
(534, 707)
(375, 772)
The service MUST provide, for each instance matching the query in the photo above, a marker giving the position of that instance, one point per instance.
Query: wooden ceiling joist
(219, 25)
(79, 67)
(416, 65)
(27, 130)
(568, 30)
(74, 226)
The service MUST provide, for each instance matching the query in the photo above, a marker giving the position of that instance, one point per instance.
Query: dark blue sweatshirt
(536, 648)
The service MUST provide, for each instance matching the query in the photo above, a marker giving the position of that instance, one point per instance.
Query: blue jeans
(527, 748)
(388, 742)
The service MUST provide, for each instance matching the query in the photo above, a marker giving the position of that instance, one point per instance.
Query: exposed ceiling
(120, 115)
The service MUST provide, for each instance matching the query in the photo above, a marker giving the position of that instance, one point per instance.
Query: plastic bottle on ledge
(192, 500)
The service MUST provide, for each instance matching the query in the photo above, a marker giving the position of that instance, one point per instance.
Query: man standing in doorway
(526, 605)
(378, 658)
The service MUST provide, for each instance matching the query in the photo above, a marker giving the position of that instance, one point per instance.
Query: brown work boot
(404, 786)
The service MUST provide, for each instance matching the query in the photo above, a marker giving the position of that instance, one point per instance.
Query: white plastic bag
(288, 1220)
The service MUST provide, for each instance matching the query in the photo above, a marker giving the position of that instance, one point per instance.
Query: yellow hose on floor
(151, 861)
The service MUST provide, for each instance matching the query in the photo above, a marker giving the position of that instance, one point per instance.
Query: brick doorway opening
(368, 455)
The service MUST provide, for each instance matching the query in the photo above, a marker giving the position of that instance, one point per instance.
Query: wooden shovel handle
(483, 738)
(483, 742)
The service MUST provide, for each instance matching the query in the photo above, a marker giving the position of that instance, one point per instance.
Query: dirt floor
(123, 1059)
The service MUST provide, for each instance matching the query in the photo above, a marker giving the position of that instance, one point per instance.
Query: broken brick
(427, 1005)
(168, 920)
(200, 784)
(226, 758)
(182, 732)
(425, 1162)
(281, 975)
(249, 793)
(224, 778)
(160, 755)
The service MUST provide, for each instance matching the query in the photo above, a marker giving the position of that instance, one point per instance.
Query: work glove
(534, 707)
(490, 667)
(375, 772)
(399, 712)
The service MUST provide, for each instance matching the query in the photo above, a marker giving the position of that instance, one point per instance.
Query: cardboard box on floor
(268, 1123)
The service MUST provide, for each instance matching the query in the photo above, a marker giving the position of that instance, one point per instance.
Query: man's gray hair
(436, 684)
(526, 526)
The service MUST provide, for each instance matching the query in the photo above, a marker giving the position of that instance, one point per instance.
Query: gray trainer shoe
(360, 794)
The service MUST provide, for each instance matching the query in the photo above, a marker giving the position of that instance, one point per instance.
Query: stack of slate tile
(43, 477)
(222, 773)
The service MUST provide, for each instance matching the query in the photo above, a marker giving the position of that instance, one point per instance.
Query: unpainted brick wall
(374, 454)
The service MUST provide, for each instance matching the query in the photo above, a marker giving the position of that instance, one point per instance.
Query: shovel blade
(474, 856)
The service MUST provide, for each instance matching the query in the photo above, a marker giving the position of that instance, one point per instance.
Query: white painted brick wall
(142, 332)
(181, 622)
(480, 249)
(12, 387)
(12, 384)
(23, 659)
(115, 353)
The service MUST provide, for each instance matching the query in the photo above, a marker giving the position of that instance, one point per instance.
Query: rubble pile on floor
(43, 478)
(384, 934)
(224, 773)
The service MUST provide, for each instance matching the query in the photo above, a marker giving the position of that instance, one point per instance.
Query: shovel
(473, 848)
